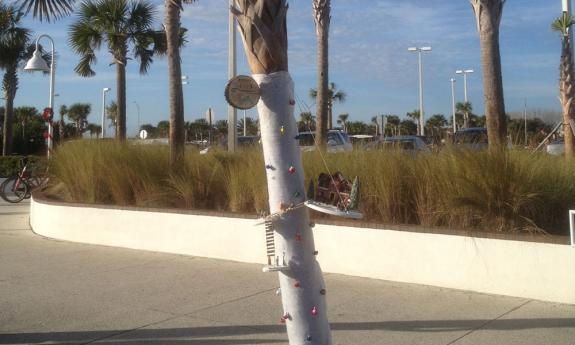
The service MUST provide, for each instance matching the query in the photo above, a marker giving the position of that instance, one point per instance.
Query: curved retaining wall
(533, 270)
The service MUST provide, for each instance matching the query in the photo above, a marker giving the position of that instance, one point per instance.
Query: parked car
(337, 141)
(471, 138)
(407, 143)
(556, 148)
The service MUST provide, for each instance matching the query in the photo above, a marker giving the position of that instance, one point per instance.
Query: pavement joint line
(230, 301)
(489, 321)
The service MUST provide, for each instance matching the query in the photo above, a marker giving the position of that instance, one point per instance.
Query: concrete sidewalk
(67, 293)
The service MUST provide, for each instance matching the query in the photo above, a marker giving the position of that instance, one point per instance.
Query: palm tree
(172, 25)
(566, 79)
(112, 115)
(120, 24)
(262, 24)
(306, 122)
(488, 14)
(342, 120)
(63, 111)
(465, 109)
(15, 48)
(322, 18)
(94, 129)
(47, 9)
(78, 113)
(333, 95)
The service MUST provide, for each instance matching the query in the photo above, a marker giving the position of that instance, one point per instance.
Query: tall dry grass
(511, 191)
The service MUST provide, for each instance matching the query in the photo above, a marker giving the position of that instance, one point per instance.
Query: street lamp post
(37, 63)
(421, 112)
(232, 112)
(453, 104)
(464, 72)
(138, 107)
(104, 90)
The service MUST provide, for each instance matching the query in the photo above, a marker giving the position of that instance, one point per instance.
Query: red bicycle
(19, 187)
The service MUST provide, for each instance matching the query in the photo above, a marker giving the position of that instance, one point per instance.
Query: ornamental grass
(512, 191)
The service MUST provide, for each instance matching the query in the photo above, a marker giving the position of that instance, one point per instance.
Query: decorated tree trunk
(262, 25)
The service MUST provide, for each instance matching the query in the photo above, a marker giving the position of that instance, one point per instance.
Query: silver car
(337, 141)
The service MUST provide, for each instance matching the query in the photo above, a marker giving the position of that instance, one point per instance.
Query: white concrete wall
(522, 269)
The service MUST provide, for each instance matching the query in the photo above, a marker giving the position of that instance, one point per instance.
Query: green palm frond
(563, 23)
(47, 9)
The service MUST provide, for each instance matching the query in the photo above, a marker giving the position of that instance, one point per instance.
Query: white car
(337, 141)
(556, 148)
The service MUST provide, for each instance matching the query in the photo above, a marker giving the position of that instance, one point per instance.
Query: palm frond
(47, 9)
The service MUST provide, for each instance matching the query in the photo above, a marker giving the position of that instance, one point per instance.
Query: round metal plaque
(242, 92)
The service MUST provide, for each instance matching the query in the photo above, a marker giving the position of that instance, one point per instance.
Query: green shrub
(10, 165)
(513, 191)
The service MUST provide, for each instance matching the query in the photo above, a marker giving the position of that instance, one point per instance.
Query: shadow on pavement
(187, 335)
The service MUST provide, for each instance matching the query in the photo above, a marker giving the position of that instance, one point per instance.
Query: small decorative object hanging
(308, 337)
(270, 167)
(297, 284)
(322, 292)
(335, 195)
(285, 317)
(298, 237)
(314, 311)
(296, 195)
(242, 92)
(282, 130)
(278, 292)
(292, 102)
(315, 252)
(291, 170)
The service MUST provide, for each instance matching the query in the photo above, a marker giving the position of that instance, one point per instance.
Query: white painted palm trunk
(302, 286)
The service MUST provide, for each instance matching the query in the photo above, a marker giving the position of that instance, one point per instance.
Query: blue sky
(369, 59)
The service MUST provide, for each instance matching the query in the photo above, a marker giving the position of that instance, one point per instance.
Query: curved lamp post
(37, 63)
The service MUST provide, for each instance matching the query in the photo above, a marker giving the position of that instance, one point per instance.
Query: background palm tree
(47, 9)
(94, 129)
(488, 14)
(63, 111)
(342, 120)
(112, 115)
(465, 109)
(566, 79)
(15, 49)
(333, 95)
(322, 18)
(174, 37)
(78, 113)
(306, 122)
(120, 24)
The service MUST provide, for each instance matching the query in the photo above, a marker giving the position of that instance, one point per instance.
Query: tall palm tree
(566, 80)
(120, 24)
(342, 120)
(333, 95)
(15, 48)
(112, 115)
(47, 9)
(262, 24)
(172, 25)
(488, 14)
(322, 18)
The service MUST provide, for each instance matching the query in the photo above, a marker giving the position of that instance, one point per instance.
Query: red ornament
(292, 102)
(298, 237)
(297, 284)
(291, 170)
(314, 311)
(285, 317)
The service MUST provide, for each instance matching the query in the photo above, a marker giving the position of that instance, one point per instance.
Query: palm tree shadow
(223, 335)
